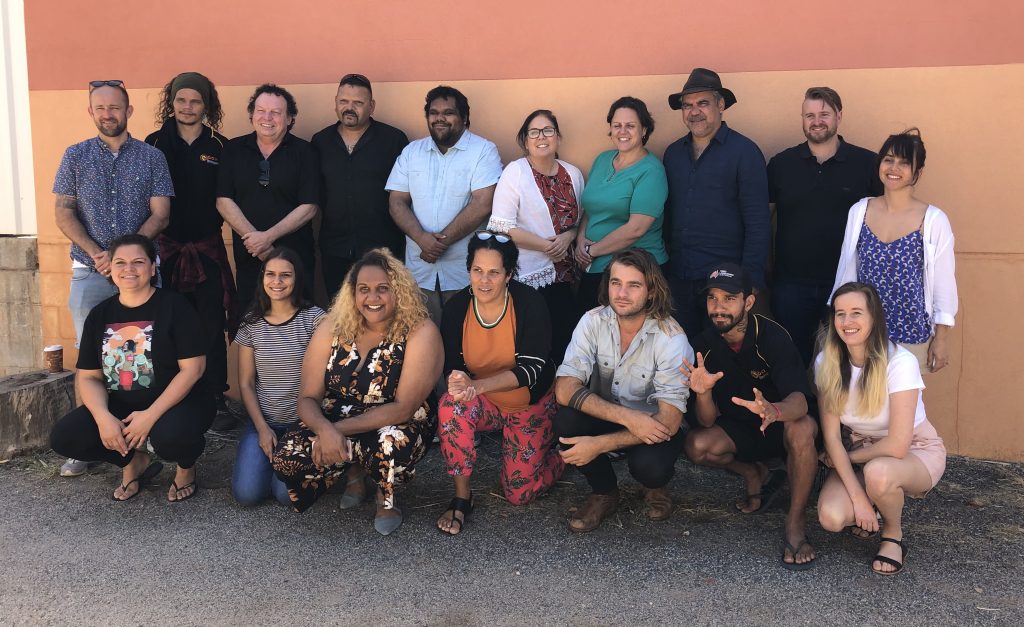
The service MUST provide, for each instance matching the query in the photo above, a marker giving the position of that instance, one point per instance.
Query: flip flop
(769, 491)
(143, 479)
(793, 565)
(177, 491)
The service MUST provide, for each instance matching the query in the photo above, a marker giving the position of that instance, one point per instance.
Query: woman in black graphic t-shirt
(139, 367)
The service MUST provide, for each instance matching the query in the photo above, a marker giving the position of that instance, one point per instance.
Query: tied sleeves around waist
(188, 270)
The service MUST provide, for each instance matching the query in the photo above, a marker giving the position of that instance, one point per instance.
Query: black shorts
(751, 444)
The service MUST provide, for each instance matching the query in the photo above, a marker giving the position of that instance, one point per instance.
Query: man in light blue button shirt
(620, 387)
(441, 191)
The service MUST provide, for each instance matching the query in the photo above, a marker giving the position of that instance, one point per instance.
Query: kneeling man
(620, 388)
(749, 404)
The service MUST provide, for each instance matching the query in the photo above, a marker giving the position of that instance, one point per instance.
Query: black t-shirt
(767, 360)
(354, 201)
(812, 201)
(138, 348)
(194, 168)
(294, 181)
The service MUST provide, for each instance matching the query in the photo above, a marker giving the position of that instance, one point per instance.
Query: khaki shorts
(921, 352)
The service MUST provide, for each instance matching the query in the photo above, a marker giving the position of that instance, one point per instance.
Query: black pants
(177, 436)
(208, 300)
(565, 315)
(334, 268)
(690, 305)
(651, 464)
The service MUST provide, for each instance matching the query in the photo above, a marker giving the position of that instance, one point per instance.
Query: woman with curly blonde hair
(363, 405)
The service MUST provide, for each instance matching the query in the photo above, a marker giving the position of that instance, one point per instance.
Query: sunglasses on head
(111, 83)
(264, 179)
(500, 237)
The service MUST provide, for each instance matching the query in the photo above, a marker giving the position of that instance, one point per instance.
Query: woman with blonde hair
(366, 378)
(872, 388)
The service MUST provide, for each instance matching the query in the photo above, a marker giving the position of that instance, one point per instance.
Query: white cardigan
(940, 297)
(519, 204)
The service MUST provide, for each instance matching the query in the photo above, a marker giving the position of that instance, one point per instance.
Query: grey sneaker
(73, 468)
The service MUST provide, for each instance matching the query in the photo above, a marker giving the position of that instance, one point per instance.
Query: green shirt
(611, 197)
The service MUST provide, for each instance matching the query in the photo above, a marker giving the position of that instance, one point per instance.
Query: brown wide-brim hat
(701, 79)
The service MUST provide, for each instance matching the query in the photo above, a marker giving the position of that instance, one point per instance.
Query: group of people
(621, 316)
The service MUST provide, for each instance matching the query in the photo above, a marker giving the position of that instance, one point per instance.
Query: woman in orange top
(497, 344)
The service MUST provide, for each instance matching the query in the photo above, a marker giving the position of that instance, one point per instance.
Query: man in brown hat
(717, 200)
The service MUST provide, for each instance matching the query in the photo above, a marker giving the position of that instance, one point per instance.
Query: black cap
(731, 278)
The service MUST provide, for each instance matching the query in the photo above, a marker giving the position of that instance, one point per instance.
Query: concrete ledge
(30, 404)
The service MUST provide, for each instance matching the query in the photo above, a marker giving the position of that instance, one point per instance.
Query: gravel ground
(71, 555)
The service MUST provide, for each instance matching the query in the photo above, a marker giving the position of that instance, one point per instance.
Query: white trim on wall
(17, 184)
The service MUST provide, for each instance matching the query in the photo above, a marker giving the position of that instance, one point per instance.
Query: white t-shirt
(904, 373)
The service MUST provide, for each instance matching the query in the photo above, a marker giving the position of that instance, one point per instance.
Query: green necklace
(479, 318)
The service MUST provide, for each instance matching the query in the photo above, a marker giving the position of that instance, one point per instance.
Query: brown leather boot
(595, 509)
(659, 503)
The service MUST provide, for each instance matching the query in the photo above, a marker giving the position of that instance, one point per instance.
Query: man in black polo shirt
(268, 189)
(813, 185)
(749, 403)
(356, 156)
(194, 260)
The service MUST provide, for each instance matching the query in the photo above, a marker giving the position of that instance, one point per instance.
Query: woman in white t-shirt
(872, 387)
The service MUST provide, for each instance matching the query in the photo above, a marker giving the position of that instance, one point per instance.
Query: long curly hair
(659, 297)
(214, 114)
(410, 310)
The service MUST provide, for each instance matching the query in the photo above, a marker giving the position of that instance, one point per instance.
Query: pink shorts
(925, 445)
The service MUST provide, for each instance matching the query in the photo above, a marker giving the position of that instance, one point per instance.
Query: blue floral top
(896, 270)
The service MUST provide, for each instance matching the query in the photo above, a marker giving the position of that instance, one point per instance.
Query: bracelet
(586, 248)
(576, 400)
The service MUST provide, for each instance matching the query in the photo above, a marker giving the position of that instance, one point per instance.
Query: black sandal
(465, 506)
(888, 560)
(143, 479)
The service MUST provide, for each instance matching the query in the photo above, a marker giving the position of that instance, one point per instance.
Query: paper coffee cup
(54, 358)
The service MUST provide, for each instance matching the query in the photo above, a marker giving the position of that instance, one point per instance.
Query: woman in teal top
(624, 199)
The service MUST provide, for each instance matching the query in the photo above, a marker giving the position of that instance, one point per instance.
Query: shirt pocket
(641, 381)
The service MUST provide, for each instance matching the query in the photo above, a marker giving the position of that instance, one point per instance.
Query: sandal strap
(890, 561)
(465, 506)
(898, 543)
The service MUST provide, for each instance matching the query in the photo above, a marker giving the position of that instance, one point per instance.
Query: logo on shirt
(759, 374)
(209, 159)
(127, 355)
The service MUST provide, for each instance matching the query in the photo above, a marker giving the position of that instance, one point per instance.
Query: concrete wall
(20, 328)
(959, 77)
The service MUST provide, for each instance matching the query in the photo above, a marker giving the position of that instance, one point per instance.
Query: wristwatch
(586, 247)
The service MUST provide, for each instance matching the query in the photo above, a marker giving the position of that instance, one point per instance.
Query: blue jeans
(800, 309)
(88, 289)
(253, 479)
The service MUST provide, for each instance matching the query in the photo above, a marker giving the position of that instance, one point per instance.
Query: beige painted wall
(973, 173)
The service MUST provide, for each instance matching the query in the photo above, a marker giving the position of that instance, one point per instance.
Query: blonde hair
(344, 318)
(833, 376)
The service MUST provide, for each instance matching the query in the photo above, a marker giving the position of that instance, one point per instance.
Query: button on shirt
(354, 201)
(717, 206)
(812, 201)
(112, 191)
(646, 373)
(441, 185)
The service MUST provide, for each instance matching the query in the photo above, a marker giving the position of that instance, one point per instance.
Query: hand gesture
(764, 410)
(137, 426)
(329, 448)
(460, 387)
(559, 246)
(582, 257)
(648, 429)
(698, 378)
(864, 514)
(102, 262)
(112, 435)
(432, 246)
(257, 243)
(268, 440)
(938, 353)
(583, 451)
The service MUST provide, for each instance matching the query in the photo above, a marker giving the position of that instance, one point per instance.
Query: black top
(193, 168)
(354, 201)
(767, 360)
(294, 181)
(138, 348)
(534, 368)
(812, 201)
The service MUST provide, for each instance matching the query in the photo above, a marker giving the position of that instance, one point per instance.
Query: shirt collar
(720, 135)
(106, 149)
(459, 145)
(841, 153)
(650, 324)
(250, 140)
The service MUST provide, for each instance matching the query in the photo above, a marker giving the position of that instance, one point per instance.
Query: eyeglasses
(264, 179)
(547, 131)
(500, 237)
(358, 79)
(111, 83)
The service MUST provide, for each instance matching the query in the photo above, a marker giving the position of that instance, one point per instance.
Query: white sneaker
(73, 468)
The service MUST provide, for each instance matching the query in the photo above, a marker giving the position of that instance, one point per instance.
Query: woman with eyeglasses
(624, 202)
(363, 403)
(871, 387)
(536, 202)
(497, 344)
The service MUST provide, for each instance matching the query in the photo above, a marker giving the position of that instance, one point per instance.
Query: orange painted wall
(967, 113)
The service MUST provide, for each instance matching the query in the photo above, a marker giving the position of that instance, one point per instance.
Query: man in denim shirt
(620, 388)
(107, 186)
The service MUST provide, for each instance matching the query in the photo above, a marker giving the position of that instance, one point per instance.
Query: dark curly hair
(291, 108)
(214, 113)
